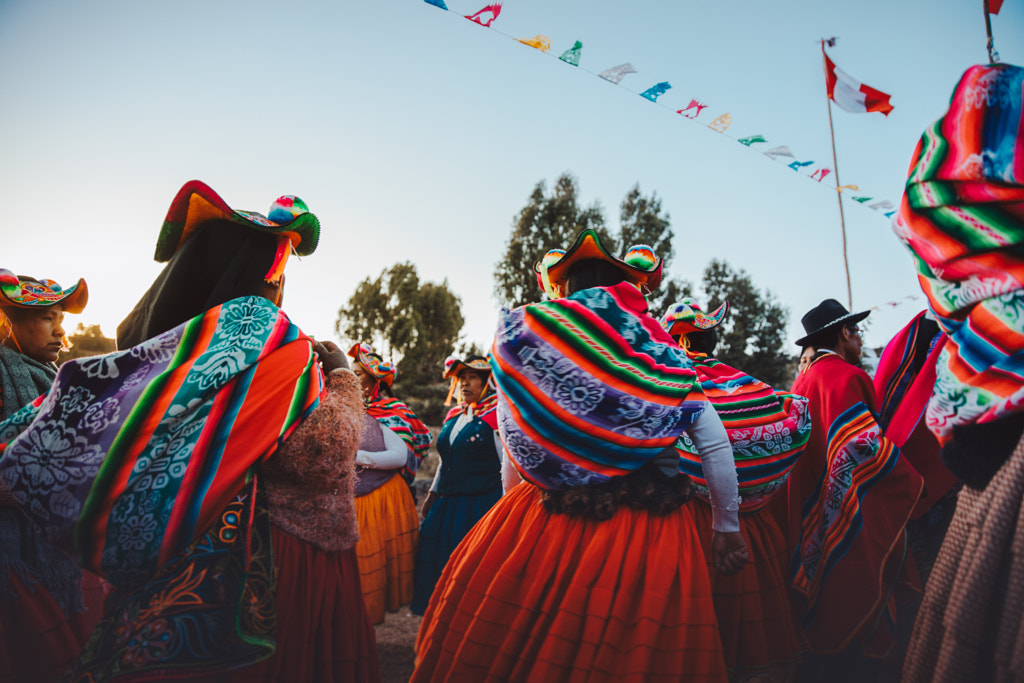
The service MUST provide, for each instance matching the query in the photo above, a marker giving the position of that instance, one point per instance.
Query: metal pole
(839, 195)
(993, 56)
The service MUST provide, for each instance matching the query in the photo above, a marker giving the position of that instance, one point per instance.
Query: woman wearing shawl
(592, 568)
(44, 617)
(393, 442)
(962, 217)
(768, 431)
(468, 478)
(206, 469)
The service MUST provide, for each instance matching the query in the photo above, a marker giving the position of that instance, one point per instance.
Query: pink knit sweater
(310, 478)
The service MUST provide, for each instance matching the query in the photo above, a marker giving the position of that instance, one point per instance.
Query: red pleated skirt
(530, 596)
(323, 632)
(753, 610)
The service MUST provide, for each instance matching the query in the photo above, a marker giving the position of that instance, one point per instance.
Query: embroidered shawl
(589, 387)
(134, 454)
(768, 430)
(400, 419)
(962, 217)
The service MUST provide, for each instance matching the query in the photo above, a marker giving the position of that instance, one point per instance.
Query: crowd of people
(226, 498)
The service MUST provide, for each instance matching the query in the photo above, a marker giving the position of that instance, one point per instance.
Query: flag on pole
(994, 6)
(852, 95)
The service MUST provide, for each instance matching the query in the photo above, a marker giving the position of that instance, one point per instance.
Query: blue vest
(471, 465)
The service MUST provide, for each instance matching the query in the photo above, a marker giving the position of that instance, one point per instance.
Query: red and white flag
(852, 95)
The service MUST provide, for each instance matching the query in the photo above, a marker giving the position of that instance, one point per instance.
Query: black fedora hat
(825, 315)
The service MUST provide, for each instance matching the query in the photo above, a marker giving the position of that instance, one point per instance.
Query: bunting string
(694, 111)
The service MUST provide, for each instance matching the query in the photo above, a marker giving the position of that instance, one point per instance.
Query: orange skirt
(754, 614)
(386, 550)
(530, 596)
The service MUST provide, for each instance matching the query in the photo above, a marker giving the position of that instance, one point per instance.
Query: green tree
(753, 337)
(87, 341)
(418, 324)
(546, 222)
(641, 221)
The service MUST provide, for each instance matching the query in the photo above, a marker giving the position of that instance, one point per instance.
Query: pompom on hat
(197, 204)
(639, 264)
(686, 316)
(21, 291)
(373, 363)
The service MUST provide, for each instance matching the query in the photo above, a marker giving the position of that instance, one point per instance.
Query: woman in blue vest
(468, 479)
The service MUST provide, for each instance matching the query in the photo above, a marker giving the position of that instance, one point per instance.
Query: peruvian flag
(852, 95)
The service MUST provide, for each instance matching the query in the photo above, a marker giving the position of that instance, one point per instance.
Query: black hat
(828, 313)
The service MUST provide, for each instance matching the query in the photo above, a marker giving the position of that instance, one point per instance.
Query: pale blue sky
(416, 135)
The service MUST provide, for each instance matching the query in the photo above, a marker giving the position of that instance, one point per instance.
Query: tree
(545, 223)
(87, 341)
(417, 324)
(641, 222)
(753, 337)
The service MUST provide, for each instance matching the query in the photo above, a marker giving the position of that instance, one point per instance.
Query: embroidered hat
(639, 263)
(687, 316)
(372, 362)
(21, 291)
(826, 315)
(196, 204)
(453, 365)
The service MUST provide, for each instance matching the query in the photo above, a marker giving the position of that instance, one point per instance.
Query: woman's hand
(729, 552)
(428, 502)
(331, 357)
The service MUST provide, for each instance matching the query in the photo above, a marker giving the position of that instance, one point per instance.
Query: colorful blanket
(589, 387)
(486, 410)
(962, 217)
(768, 431)
(400, 419)
(852, 542)
(905, 378)
(134, 454)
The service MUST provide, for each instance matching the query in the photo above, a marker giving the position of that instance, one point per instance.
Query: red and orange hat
(21, 291)
(373, 363)
(640, 265)
(686, 316)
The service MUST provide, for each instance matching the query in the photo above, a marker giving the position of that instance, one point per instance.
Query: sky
(416, 135)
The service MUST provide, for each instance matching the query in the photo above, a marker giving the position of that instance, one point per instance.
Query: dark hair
(220, 262)
(647, 489)
(592, 272)
(703, 341)
(829, 337)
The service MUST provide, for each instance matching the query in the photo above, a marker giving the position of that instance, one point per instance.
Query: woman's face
(471, 385)
(805, 359)
(39, 332)
(366, 380)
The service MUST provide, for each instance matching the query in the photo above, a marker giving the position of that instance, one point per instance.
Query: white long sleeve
(712, 442)
(509, 474)
(394, 455)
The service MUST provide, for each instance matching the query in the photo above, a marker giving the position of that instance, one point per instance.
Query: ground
(396, 638)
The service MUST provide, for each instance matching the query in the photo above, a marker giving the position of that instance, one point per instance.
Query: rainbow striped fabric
(400, 419)
(768, 431)
(962, 217)
(134, 454)
(589, 387)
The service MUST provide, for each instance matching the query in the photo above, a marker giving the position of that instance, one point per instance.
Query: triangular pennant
(722, 123)
(656, 90)
(437, 3)
(751, 140)
(542, 43)
(487, 15)
(572, 55)
(779, 152)
(694, 104)
(617, 73)
(797, 165)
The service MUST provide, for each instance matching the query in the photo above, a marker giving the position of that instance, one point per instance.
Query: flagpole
(993, 56)
(839, 194)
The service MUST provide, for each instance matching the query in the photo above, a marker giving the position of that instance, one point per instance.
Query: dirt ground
(396, 638)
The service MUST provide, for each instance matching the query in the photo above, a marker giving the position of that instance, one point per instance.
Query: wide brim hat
(454, 365)
(196, 204)
(827, 315)
(21, 291)
(373, 363)
(639, 263)
(686, 316)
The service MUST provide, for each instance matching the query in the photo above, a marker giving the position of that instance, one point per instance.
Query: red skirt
(754, 614)
(530, 596)
(323, 632)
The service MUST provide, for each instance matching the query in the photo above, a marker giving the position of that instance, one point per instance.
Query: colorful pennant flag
(823, 171)
(656, 91)
(617, 73)
(491, 13)
(722, 123)
(862, 199)
(691, 105)
(848, 187)
(437, 3)
(852, 95)
(542, 43)
(572, 55)
(751, 140)
(883, 204)
(994, 6)
(779, 152)
(797, 165)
